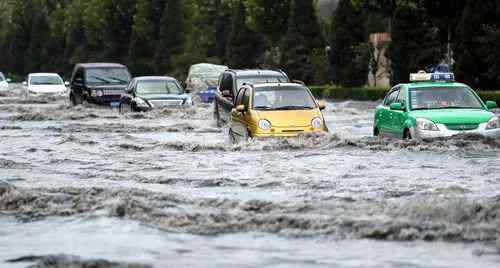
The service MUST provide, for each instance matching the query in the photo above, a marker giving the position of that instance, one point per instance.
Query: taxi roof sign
(432, 77)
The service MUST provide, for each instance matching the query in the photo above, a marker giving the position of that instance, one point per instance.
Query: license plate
(115, 104)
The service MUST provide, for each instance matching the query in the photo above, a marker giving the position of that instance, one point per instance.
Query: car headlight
(264, 124)
(99, 93)
(424, 124)
(141, 103)
(494, 123)
(317, 123)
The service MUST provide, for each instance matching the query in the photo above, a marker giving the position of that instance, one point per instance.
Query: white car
(4, 82)
(45, 84)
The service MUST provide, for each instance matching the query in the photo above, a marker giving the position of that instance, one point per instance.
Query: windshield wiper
(117, 79)
(101, 79)
(294, 107)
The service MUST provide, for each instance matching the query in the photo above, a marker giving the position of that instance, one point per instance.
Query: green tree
(144, 37)
(302, 39)
(172, 35)
(269, 18)
(474, 56)
(348, 54)
(414, 44)
(244, 46)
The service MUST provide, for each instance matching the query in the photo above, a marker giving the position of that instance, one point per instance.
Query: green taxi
(432, 106)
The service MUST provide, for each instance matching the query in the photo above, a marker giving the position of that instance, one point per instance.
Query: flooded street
(86, 185)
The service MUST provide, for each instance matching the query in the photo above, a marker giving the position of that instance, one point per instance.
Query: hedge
(375, 94)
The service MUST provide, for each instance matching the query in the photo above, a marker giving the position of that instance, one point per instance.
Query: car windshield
(282, 98)
(98, 76)
(46, 80)
(2, 78)
(444, 98)
(260, 79)
(158, 87)
(207, 69)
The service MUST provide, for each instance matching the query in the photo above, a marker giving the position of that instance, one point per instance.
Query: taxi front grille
(292, 131)
(462, 127)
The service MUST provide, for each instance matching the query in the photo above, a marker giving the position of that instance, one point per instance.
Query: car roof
(434, 84)
(144, 78)
(43, 74)
(278, 85)
(244, 73)
(101, 65)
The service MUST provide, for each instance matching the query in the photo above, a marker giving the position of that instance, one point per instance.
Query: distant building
(381, 78)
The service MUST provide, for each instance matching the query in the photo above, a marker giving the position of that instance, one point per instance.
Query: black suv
(231, 81)
(100, 83)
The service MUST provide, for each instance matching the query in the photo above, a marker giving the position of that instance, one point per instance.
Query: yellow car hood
(295, 118)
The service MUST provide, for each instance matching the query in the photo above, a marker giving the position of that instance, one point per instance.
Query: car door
(384, 116)
(238, 122)
(398, 117)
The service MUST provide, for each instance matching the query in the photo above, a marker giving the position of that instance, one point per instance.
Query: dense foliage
(167, 36)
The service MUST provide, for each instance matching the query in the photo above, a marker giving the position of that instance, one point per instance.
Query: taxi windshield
(151, 87)
(46, 80)
(444, 98)
(260, 79)
(282, 98)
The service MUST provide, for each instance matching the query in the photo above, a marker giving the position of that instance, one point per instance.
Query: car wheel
(121, 109)
(376, 132)
(232, 137)
(407, 134)
(76, 99)
(217, 115)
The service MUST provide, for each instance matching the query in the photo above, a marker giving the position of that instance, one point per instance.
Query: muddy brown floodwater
(87, 187)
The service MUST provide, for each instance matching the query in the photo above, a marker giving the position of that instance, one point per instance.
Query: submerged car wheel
(121, 108)
(76, 99)
(407, 134)
(232, 137)
(217, 115)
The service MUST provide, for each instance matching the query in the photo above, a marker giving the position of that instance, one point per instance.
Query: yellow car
(275, 110)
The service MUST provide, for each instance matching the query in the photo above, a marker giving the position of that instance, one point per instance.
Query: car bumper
(445, 132)
(287, 132)
(50, 94)
(105, 99)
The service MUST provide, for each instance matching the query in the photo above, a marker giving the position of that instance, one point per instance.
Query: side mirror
(66, 83)
(129, 90)
(491, 105)
(397, 106)
(322, 105)
(25, 83)
(240, 108)
(226, 93)
(8, 80)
